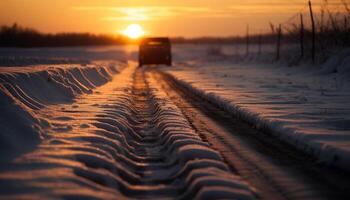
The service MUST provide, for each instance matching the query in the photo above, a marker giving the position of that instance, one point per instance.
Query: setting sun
(134, 31)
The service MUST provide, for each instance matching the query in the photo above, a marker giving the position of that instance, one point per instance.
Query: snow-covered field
(69, 55)
(307, 106)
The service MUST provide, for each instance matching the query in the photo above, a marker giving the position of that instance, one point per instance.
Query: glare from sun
(134, 31)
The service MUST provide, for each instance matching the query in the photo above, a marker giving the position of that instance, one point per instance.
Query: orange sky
(188, 18)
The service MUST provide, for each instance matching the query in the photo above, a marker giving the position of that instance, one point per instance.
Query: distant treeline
(267, 38)
(17, 36)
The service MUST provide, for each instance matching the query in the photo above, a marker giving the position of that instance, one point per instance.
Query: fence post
(301, 36)
(247, 41)
(279, 36)
(313, 50)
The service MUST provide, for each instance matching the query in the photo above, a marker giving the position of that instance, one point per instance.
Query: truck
(155, 51)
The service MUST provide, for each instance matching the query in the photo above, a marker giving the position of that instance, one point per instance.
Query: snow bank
(302, 106)
(37, 87)
(20, 129)
(27, 89)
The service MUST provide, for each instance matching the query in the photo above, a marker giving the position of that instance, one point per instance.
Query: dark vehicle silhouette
(155, 51)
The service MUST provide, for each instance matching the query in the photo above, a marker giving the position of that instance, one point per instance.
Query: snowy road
(126, 140)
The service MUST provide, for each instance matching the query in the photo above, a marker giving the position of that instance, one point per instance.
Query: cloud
(152, 13)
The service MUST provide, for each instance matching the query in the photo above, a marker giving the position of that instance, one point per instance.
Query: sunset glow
(134, 31)
(163, 18)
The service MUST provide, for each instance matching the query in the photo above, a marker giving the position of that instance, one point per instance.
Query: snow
(68, 121)
(19, 127)
(307, 106)
(24, 90)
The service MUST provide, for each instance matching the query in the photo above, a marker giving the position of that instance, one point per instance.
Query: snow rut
(136, 145)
